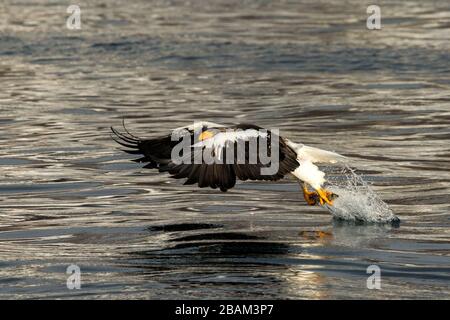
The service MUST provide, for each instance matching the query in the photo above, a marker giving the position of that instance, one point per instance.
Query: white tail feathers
(318, 155)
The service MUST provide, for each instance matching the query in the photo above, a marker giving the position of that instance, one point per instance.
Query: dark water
(309, 68)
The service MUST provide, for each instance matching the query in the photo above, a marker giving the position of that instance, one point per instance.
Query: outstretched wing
(237, 158)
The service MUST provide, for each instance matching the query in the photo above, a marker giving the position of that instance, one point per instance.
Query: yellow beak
(205, 135)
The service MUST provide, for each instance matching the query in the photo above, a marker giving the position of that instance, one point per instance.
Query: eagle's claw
(322, 196)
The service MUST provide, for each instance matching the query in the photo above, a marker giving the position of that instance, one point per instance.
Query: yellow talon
(326, 196)
(310, 197)
(322, 196)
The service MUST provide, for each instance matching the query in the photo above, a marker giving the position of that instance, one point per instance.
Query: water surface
(309, 68)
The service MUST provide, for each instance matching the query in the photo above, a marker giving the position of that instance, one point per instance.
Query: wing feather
(157, 152)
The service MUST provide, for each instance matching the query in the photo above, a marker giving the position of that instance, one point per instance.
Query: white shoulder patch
(221, 139)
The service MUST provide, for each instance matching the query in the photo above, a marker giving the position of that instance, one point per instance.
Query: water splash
(357, 201)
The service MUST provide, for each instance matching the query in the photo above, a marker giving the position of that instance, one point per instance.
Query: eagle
(237, 152)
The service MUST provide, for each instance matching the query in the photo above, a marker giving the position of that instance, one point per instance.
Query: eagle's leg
(310, 197)
(326, 196)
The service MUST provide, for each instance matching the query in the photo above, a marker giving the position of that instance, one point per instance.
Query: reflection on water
(311, 69)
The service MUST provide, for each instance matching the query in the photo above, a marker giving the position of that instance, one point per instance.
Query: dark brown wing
(287, 163)
(157, 153)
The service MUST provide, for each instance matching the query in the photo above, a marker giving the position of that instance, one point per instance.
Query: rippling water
(309, 68)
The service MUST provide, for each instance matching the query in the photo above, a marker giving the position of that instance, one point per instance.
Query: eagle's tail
(316, 155)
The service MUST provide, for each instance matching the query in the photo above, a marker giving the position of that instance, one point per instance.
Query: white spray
(357, 201)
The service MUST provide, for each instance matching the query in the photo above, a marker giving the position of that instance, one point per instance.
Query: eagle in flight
(245, 163)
